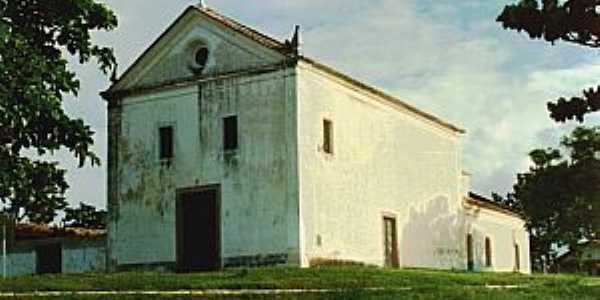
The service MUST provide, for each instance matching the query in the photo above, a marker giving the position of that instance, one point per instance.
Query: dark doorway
(48, 259)
(390, 242)
(517, 258)
(470, 259)
(198, 236)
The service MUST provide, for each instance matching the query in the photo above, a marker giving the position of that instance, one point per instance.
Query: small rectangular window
(230, 133)
(166, 142)
(328, 136)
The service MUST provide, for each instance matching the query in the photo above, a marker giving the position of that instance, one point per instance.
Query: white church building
(227, 148)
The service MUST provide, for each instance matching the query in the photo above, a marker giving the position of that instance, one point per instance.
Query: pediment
(200, 42)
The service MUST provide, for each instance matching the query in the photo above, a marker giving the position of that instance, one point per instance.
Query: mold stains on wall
(200, 87)
(255, 209)
(147, 182)
(114, 137)
(115, 113)
(231, 161)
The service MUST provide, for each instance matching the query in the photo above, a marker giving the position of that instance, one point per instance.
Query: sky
(446, 57)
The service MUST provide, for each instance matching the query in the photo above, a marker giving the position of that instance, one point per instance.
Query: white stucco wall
(386, 161)
(83, 258)
(20, 263)
(259, 211)
(504, 232)
(78, 257)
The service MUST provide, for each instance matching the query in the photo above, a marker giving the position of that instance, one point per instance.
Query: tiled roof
(255, 35)
(483, 202)
(27, 232)
(375, 91)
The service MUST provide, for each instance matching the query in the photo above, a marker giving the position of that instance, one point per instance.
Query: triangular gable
(232, 47)
(240, 48)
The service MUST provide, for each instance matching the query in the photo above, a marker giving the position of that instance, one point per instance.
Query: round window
(197, 57)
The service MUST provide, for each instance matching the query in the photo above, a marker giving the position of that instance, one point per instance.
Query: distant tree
(35, 38)
(560, 194)
(86, 216)
(573, 21)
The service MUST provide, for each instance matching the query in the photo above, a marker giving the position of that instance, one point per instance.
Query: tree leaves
(86, 216)
(574, 21)
(560, 194)
(576, 107)
(34, 77)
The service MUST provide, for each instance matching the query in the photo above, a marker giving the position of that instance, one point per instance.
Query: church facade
(228, 148)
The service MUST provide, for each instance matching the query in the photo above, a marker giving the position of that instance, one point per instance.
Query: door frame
(395, 247)
(470, 252)
(179, 223)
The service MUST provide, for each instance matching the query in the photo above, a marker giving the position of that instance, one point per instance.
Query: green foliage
(560, 194)
(86, 216)
(573, 21)
(35, 35)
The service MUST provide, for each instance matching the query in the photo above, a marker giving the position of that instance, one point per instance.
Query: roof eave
(482, 202)
(383, 95)
(113, 87)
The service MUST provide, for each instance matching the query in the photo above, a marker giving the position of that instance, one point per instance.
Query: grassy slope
(424, 284)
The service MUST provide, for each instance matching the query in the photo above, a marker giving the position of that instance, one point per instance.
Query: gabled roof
(390, 99)
(246, 31)
(483, 202)
(288, 51)
(255, 35)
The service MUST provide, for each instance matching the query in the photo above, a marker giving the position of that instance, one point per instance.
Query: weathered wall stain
(256, 212)
(76, 257)
(149, 181)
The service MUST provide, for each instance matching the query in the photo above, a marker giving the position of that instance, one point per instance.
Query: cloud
(446, 57)
(455, 61)
(565, 82)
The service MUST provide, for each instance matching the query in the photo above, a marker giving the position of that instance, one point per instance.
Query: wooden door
(470, 256)
(198, 230)
(390, 242)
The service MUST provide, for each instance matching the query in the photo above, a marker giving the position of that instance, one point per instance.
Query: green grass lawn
(347, 283)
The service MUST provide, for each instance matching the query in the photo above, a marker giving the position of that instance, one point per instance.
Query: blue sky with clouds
(447, 57)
